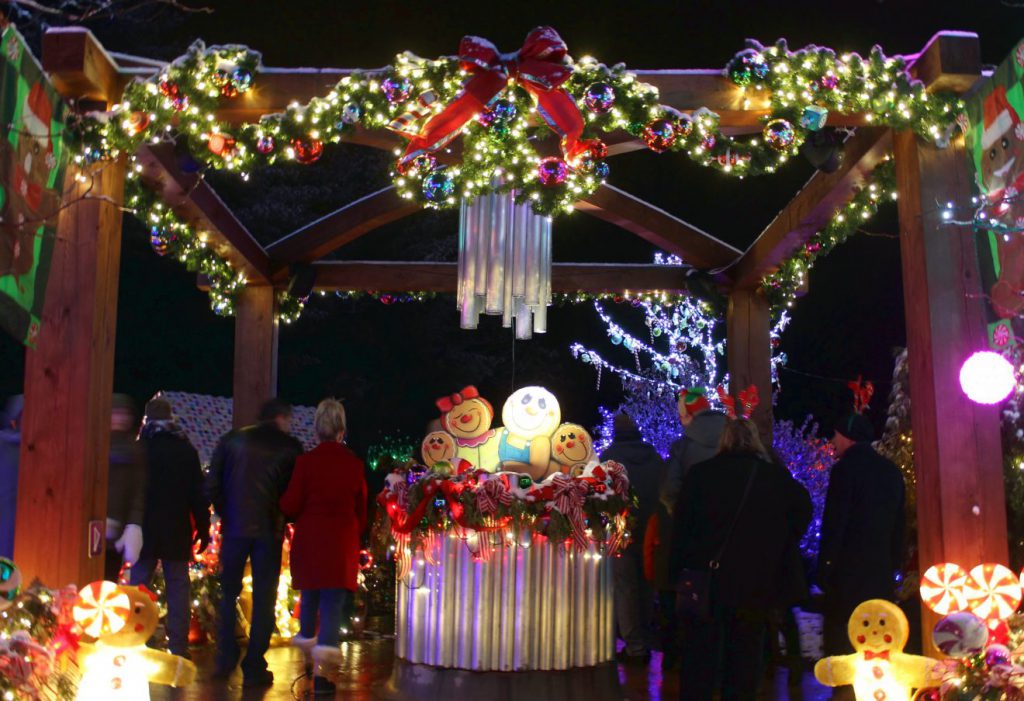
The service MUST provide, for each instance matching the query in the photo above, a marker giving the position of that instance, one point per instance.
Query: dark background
(390, 362)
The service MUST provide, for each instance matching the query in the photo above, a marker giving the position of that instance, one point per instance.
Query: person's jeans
(265, 555)
(178, 596)
(634, 602)
(330, 604)
(733, 642)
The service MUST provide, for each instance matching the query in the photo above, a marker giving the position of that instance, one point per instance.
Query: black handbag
(693, 587)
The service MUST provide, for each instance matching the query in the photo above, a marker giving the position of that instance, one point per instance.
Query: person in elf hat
(467, 416)
(26, 163)
(1002, 179)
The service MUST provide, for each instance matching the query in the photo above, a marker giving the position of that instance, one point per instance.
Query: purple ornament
(960, 634)
(265, 144)
(396, 89)
(161, 240)
(552, 171)
(708, 142)
(599, 97)
(996, 655)
(829, 81)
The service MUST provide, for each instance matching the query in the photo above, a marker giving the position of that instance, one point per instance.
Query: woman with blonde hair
(737, 517)
(327, 500)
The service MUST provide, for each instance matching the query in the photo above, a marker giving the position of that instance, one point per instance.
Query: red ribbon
(446, 404)
(538, 67)
(569, 496)
(883, 655)
(492, 494)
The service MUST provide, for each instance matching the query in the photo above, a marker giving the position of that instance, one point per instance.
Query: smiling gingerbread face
(878, 626)
(470, 419)
(530, 412)
(571, 445)
(436, 447)
(140, 622)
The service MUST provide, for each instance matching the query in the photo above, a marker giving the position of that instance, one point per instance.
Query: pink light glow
(987, 377)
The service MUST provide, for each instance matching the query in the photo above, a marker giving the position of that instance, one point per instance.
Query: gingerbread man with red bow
(467, 417)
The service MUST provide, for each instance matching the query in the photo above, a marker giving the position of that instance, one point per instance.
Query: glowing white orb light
(987, 377)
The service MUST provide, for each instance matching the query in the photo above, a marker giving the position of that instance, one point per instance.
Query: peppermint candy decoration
(992, 591)
(942, 588)
(102, 608)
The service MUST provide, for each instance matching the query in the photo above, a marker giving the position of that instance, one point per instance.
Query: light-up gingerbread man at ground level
(879, 670)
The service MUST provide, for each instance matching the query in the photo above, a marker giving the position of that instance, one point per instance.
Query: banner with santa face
(33, 155)
(995, 147)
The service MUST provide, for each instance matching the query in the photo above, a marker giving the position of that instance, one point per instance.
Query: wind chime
(504, 264)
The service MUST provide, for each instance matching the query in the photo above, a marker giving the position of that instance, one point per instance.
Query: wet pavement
(367, 665)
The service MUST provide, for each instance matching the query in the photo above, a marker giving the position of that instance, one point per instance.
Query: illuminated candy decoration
(998, 632)
(102, 609)
(942, 588)
(987, 377)
(993, 591)
(960, 634)
(10, 582)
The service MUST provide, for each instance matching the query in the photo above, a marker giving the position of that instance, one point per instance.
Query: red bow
(862, 392)
(883, 655)
(446, 404)
(492, 493)
(538, 67)
(569, 497)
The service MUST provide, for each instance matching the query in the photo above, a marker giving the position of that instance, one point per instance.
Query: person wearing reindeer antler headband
(862, 534)
(738, 516)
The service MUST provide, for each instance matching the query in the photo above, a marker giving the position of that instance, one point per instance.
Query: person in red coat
(327, 500)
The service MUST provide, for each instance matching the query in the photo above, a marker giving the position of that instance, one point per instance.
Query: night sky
(390, 362)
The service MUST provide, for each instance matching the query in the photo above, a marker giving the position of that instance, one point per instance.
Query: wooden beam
(667, 232)
(69, 379)
(961, 512)
(949, 61)
(400, 276)
(812, 207)
(748, 350)
(192, 198)
(255, 369)
(80, 68)
(344, 225)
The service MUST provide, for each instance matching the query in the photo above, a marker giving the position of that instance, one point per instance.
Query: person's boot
(325, 664)
(306, 645)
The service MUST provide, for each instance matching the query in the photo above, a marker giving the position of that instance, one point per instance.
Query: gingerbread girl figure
(119, 665)
(879, 670)
(467, 416)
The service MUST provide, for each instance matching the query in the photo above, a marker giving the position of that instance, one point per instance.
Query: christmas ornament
(136, 122)
(425, 163)
(829, 81)
(960, 634)
(659, 135)
(942, 588)
(684, 126)
(930, 694)
(241, 79)
(601, 170)
(599, 97)
(987, 377)
(265, 144)
(525, 481)
(10, 582)
(168, 89)
(308, 150)
(351, 113)
(746, 67)
(438, 186)
(220, 145)
(396, 89)
(503, 110)
(552, 171)
(779, 134)
(708, 142)
(993, 591)
(160, 240)
(996, 655)
(814, 117)
(179, 103)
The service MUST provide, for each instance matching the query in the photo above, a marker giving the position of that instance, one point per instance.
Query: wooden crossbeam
(389, 276)
(192, 198)
(344, 225)
(667, 232)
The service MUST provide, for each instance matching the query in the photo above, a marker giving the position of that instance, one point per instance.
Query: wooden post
(62, 483)
(961, 514)
(748, 350)
(255, 377)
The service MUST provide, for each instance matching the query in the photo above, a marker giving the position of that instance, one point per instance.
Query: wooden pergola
(68, 380)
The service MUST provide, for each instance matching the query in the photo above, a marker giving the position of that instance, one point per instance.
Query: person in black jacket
(249, 471)
(862, 533)
(174, 501)
(633, 596)
(126, 489)
(758, 534)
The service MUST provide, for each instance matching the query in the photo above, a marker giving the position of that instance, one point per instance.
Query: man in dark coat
(174, 501)
(633, 596)
(249, 471)
(862, 534)
(126, 489)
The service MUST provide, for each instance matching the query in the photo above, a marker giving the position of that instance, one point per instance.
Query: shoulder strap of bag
(716, 562)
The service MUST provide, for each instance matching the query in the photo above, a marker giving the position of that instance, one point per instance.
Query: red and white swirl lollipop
(102, 608)
(993, 591)
(942, 588)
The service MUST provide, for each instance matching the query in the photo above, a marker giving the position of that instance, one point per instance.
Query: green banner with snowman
(32, 162)
(995, 147)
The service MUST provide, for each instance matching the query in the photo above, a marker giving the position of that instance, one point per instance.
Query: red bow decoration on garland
(492, 493)
(748, 399)
(569, 496)
(539, 67)
(862, 393)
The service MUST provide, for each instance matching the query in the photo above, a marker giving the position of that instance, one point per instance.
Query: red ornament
(998, 632)
(137, 122)
(308, 150)
(659, 135)
(220, 145)
(598, 149)
(708, 142)
(684, 126)
(552, 171)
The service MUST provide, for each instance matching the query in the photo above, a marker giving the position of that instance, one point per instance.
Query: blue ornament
(10, 582)
(616, 339)
(439, 503)
(628, 344)
(585, 357)
(241, 78)
(396, 89)
(599, 97)
(351, 113)
(601, 170)
(438, 186)
(503, 110)
(814, 117)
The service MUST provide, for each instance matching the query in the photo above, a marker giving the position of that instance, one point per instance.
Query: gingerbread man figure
(879, 670)
(119, 665)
